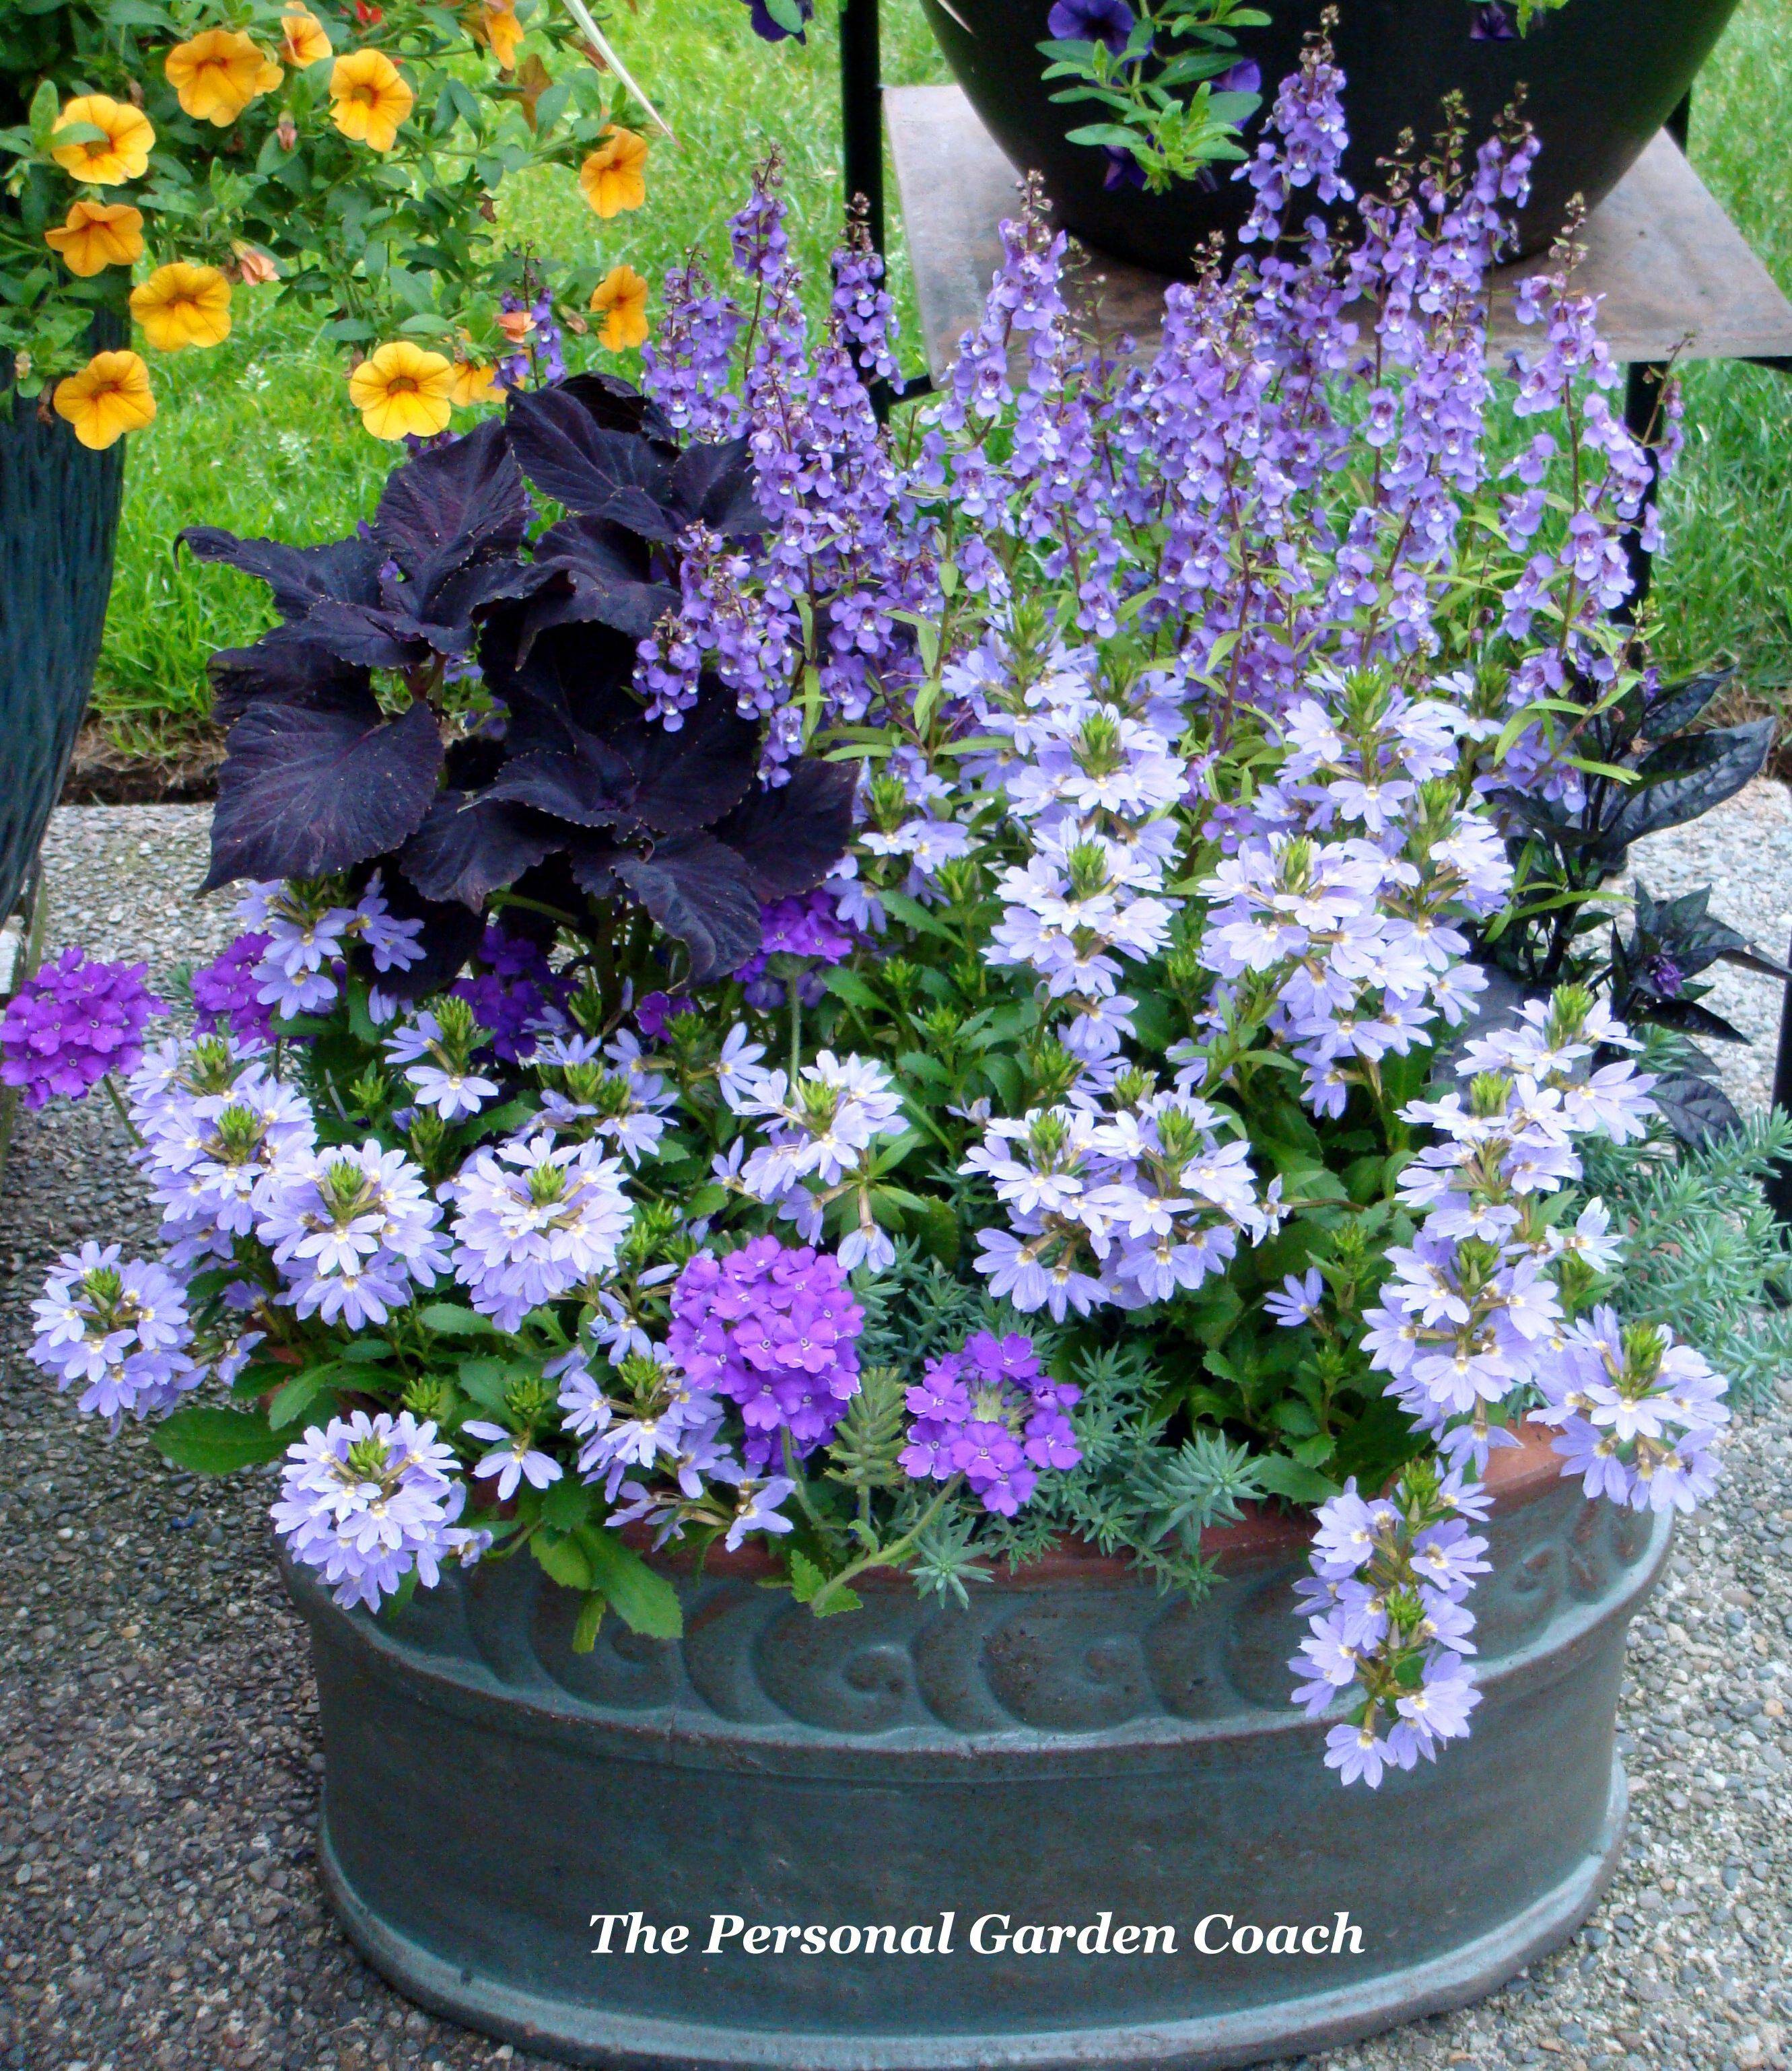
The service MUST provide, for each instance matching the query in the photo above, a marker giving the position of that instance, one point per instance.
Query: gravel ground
(158, 1745)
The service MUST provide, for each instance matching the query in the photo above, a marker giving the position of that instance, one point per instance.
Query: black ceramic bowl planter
(1073, 1752)
(1599, 78)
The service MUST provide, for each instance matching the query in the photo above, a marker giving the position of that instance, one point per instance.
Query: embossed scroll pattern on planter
(1058, 1654)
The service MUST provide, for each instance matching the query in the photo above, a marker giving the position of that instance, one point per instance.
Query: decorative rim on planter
(1072, 1743)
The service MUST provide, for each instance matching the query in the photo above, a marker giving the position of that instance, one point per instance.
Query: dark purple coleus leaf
(452, 505)
(689, 778)
(283, 667)
(569, 456)
(619, 406)
(714, 485)
(468, 848)
(790, 838)
(698, 891)
(451, 933)
(342, 571)
(582, 778)
(592, 570)
(307, 790)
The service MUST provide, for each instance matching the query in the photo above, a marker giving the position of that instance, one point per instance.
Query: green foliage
(208, 1441)
(1707, 1255)
(372, 243)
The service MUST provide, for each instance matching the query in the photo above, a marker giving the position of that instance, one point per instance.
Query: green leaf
(1283, 1476)
(567, 1505)
(299, 1394)
(841, 1600)
(485, 1380)
(645, 1601)
(206, 1440)
(590, 1617)
(366, 1352)
(562, 1559)
(448, 1319)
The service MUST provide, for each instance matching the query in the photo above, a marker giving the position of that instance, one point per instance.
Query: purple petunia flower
(1109, 21)
(73, 1023)
(773, 31)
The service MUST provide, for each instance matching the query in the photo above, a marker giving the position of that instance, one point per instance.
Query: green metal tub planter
(59, 523)
(1598, 79)
(1078, 1824)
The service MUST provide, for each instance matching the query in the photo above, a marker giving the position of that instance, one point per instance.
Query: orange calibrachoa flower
(109, 397)
(621, 296)
(182, 305)
(98, 234)
(472, 384)
(124, 153)
(402, 390)
(370, 99)
(217, 73)
(502, 30)
(304, 40)
(614, 177)
(254, 267)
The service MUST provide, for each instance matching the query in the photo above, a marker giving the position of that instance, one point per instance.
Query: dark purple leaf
(282, 668)
(1693, 1108)
(714, 483)
(790, 838)
(370, 636)
(689, 778)
(468, 848)
(617, 405)
(593, 570)
(1686, 777)
(568, 455)
(453, 505)
(1677, 705)
(574, 675)
(698, 891)
(583, 780)
(591, 860)
(306, 791)
(345, 570)
(451, 933)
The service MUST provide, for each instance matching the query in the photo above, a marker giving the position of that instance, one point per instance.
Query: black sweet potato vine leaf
(503, 750)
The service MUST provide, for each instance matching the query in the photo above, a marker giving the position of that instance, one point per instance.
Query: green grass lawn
(257, 434)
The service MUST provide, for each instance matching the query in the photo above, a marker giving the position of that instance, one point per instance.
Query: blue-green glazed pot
(1075, 1753)
(59, 523)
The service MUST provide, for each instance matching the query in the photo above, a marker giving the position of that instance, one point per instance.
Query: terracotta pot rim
(1515, 1475)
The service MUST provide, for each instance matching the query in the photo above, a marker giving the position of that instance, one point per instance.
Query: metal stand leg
(861, 111)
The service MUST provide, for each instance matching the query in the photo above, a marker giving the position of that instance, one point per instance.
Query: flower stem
(117, 1100)
(891, 1555)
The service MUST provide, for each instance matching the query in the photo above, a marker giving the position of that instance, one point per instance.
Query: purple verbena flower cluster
(991, 1413)
(773, 1328)
(75, 1021)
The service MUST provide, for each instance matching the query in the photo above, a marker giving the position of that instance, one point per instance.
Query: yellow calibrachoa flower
(98, 234)
(502, 30)
(370, 100)
(217, 73)
(109, 397)
(402, 390)
(304, 40)
(614, 177)
(472, 384)
(182, 305)
(124, 154)
(621, 295)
